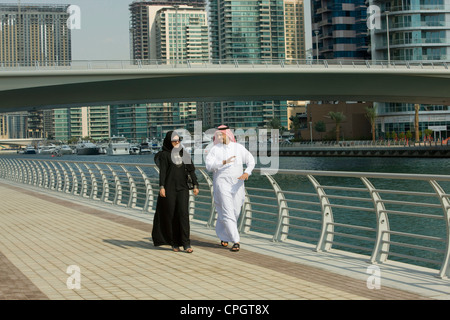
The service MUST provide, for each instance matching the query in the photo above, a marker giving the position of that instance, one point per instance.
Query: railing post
(52, 181)
(444, 272)
(283, 211)
(94, 184)
(74, 180)
(149, 198)
(381, 248)
(133, 192)
(118, 187)
(66, 178)
(212, 212)
(83, 191)
(58, 185)
(327, 234)
(105, 184)
(246, 214)
(40, 182)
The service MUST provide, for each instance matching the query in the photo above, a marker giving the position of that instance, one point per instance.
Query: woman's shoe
(175, 249)
(189, 250)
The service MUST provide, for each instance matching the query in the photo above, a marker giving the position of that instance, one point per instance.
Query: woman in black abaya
(171, 221)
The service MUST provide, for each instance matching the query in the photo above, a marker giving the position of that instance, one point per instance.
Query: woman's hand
(196, 191)
(162, 192)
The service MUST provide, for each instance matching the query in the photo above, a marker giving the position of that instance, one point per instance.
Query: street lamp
(387, 36)
(317, 45)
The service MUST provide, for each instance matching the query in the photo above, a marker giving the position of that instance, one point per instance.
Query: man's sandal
(235, 247)
(224, 244)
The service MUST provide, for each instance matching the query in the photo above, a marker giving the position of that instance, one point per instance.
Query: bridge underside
(61, 89)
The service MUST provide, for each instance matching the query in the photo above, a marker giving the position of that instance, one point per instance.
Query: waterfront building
(354, 127)
(163, 30)
(34, 34)
(419, 31)
(246, 31)
(143, 25)
(13, 125)
(182, 34)
(294, 27)
(82, 122)
(340, 29)
(31, 33)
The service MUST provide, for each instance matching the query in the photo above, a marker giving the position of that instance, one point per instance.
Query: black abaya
(171, 221)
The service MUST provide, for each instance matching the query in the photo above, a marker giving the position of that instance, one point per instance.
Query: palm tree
(371, 115)
(416, 121)
(338, 117)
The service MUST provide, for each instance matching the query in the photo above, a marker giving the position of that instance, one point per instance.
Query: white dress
(229, 193)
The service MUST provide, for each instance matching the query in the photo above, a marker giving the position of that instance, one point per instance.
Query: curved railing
(230, 63)
(401, 216)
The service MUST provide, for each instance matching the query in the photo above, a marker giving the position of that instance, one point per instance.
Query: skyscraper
(31, 34)
(182, 34)
(419, 31)
(294, 27)
(143, 25)
(339, 29)
(246, 31)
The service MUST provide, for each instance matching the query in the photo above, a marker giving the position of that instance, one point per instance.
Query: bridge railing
(403, 217)
(231, 63)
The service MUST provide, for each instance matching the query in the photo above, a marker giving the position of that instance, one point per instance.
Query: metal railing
(211, 63)
(405, 217)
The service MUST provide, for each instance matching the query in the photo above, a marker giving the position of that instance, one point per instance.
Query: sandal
(235, 247)
(224, 243)
(175, 249)
(189, 250)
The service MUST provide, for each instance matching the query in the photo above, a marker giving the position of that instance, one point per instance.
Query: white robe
(229, 193)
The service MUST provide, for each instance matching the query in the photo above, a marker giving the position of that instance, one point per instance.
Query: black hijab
(167, 143)
(167, 146)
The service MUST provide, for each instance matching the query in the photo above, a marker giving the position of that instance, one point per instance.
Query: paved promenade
(43, 232)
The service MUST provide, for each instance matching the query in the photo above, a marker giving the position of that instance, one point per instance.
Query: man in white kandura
(225, 160)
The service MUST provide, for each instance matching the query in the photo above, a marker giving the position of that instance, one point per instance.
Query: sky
(104, 28)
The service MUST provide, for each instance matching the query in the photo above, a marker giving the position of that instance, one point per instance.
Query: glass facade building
(246, 31)
(339, 29)
(32, 33)
(419, 31)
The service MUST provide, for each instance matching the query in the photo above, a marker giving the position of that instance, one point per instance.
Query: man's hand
(244, 177)
(230, 159)
(162, 192)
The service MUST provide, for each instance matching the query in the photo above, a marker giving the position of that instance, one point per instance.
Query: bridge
(81, 83)
(20, 142)
(332, 225)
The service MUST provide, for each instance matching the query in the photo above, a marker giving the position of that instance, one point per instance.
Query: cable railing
(401, 217)
(137, 64)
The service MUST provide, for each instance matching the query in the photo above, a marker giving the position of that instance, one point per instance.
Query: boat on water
(118, 146)
(87, 148)
(65, 149)
(29, 150)
(48, 149)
